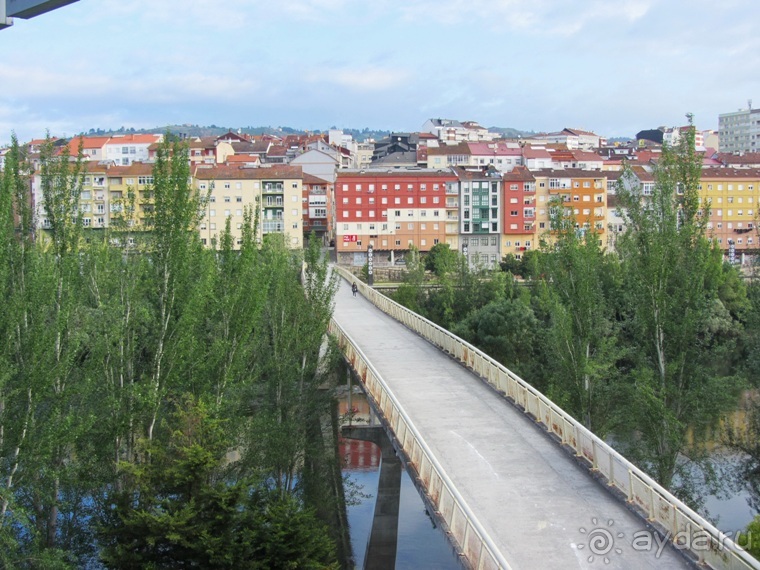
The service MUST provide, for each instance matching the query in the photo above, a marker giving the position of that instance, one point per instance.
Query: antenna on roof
(749, 104)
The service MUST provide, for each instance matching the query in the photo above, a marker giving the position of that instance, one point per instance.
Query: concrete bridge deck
(541, 508)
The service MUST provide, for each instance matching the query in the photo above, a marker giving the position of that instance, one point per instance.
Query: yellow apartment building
(733, 196)
(275, 193)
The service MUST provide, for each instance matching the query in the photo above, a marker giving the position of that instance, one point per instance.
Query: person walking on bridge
(354, 288)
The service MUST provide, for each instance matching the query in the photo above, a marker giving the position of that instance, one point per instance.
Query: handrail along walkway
(651, 500)
(474, 542)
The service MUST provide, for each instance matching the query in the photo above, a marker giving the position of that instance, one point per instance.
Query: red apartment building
(390, 210)
(519, 199)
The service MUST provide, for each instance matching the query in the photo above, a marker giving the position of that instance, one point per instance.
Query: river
(419, 543)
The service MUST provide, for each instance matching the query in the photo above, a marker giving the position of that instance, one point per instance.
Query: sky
(614, 67)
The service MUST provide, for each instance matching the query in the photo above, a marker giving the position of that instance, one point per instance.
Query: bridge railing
(688, 530)
(476, 545)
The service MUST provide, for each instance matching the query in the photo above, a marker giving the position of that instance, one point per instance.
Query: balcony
(273, 188)
(273, 226)
(452, 217)
(100, 196)
(452, 203)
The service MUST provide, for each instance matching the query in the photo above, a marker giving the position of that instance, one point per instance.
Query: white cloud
(359, 78)
(540, 17)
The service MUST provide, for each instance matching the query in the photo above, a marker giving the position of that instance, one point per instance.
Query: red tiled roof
(234, 172)
(519, 174)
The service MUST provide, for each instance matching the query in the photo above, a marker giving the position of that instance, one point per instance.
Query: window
(238, 198)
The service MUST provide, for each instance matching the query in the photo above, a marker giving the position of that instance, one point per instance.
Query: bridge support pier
(383, 539)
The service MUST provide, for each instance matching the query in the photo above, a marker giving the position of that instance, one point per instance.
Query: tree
(583, 333)
(671, 273)
(441, 259)
(508, 331)
(185, 510)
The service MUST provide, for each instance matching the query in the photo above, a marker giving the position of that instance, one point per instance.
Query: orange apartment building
(582, 193)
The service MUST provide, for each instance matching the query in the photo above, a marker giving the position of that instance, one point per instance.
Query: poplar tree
(583, 333)
(671, 274)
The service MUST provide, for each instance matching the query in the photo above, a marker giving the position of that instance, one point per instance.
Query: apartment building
(317, 207)
(480, 215)
(276, 193)
(123, 150)
(582, 195)
(392, 210)
(520, 223)
(733, 196)
(739, 131)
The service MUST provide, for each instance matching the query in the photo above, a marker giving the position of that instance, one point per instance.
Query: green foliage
(180, 510)
(583, 334)
(100, 341)
(441, 259)
(527, 267)
(672, 274)
(750, 539)
(508, 331)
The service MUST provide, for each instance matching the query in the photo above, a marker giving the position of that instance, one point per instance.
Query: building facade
(391, 210)
(739, 131)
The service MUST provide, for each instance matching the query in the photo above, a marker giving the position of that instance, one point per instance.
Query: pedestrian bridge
(517, 482)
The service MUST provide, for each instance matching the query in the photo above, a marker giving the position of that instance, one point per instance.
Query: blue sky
(611, 66)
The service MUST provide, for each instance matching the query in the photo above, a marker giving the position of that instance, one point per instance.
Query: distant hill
(509, 132)
(215, 131)
(188, 130)
(622, 140)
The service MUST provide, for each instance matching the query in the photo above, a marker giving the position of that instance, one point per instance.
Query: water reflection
(734, 500)
(389, 525)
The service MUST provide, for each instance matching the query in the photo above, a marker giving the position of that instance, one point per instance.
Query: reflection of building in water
(359, 455)
(355, 409)
(737, 421)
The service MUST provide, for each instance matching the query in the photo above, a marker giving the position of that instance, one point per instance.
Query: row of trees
(648, 345)
(161, 405)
